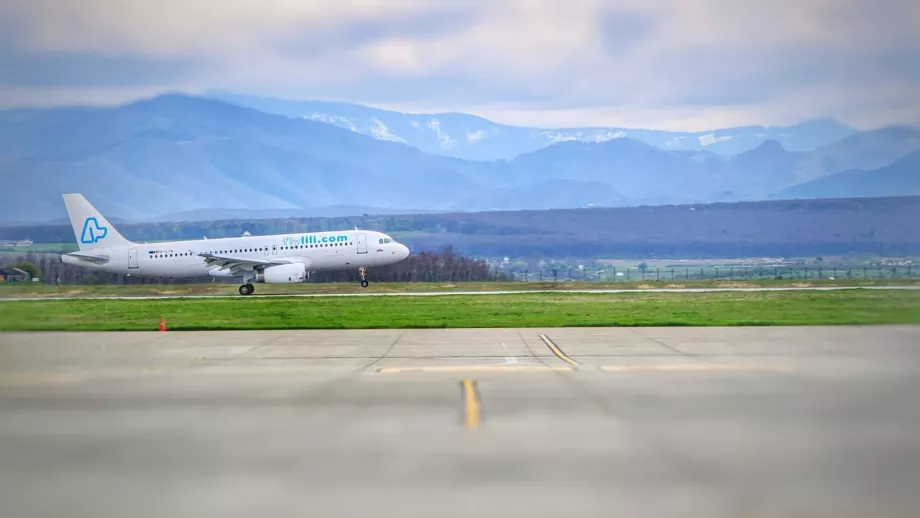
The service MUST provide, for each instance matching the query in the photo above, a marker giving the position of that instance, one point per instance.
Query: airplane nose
(403, 251)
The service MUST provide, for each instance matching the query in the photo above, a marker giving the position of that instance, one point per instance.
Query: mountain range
(901, 177)
(470, 137)
(177, 153)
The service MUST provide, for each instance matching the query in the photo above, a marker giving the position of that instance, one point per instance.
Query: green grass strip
(459, 311)
(27, 289)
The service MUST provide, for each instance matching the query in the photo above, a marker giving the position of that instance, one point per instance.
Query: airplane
(275, 259)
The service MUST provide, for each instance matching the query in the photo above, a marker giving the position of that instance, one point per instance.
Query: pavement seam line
(557, 351)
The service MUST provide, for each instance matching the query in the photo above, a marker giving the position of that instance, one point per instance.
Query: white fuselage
(318, 251)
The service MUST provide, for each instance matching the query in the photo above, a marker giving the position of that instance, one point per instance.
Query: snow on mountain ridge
(554, 137)
(333, 119)
(381, 132)
(472, 137)
(445, 140)
(475, 136)
(711, 138)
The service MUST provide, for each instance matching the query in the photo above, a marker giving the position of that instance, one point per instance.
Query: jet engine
(282, 274)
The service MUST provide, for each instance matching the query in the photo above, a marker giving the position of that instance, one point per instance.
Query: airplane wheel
(246, 289)
(364, 284)
(252, 289)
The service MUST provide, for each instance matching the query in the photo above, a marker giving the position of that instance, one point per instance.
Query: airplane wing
(236, 264)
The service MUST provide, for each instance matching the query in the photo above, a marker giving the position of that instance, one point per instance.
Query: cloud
(676, 64)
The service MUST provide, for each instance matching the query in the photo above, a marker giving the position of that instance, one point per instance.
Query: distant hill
(863, 150)
(468, 136)
(899, 179)
(176, 153)
(316, 212)
(643, 174)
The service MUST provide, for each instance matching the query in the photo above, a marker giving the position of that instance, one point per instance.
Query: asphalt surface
(371, 293)
(646, 422)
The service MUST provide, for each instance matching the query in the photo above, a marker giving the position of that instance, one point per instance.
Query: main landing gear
(363, 273)
(247, 289)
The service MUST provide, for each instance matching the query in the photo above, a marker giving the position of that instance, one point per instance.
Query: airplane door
(274, 249)
(132, 258)
(362, 243)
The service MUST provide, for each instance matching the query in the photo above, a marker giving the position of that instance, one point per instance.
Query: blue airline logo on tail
(92, 231)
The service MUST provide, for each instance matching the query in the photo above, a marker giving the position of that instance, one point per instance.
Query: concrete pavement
(708, 422)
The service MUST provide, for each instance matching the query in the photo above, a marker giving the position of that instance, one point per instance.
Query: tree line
(443, 265)
(785, 228)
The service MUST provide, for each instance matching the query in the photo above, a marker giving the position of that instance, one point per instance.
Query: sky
(685, 65)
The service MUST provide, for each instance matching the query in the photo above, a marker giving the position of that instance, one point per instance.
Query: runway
(689, 422)
(372, 293)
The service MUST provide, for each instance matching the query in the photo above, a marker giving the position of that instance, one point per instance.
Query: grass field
(42, 290)
(513, 310)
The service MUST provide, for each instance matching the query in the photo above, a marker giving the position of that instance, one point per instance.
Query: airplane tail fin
(89, 226)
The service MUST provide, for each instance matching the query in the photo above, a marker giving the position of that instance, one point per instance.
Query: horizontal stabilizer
(98, 259)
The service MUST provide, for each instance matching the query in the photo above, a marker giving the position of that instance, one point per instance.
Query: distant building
(13, 274)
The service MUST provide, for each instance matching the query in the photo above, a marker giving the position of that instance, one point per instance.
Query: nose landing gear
(363, 273)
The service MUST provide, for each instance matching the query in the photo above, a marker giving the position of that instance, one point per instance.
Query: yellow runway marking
(473, 368)
(687, 367)
(557, 351)
(470, 404)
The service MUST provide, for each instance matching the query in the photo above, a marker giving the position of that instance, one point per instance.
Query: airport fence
(720, 273)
